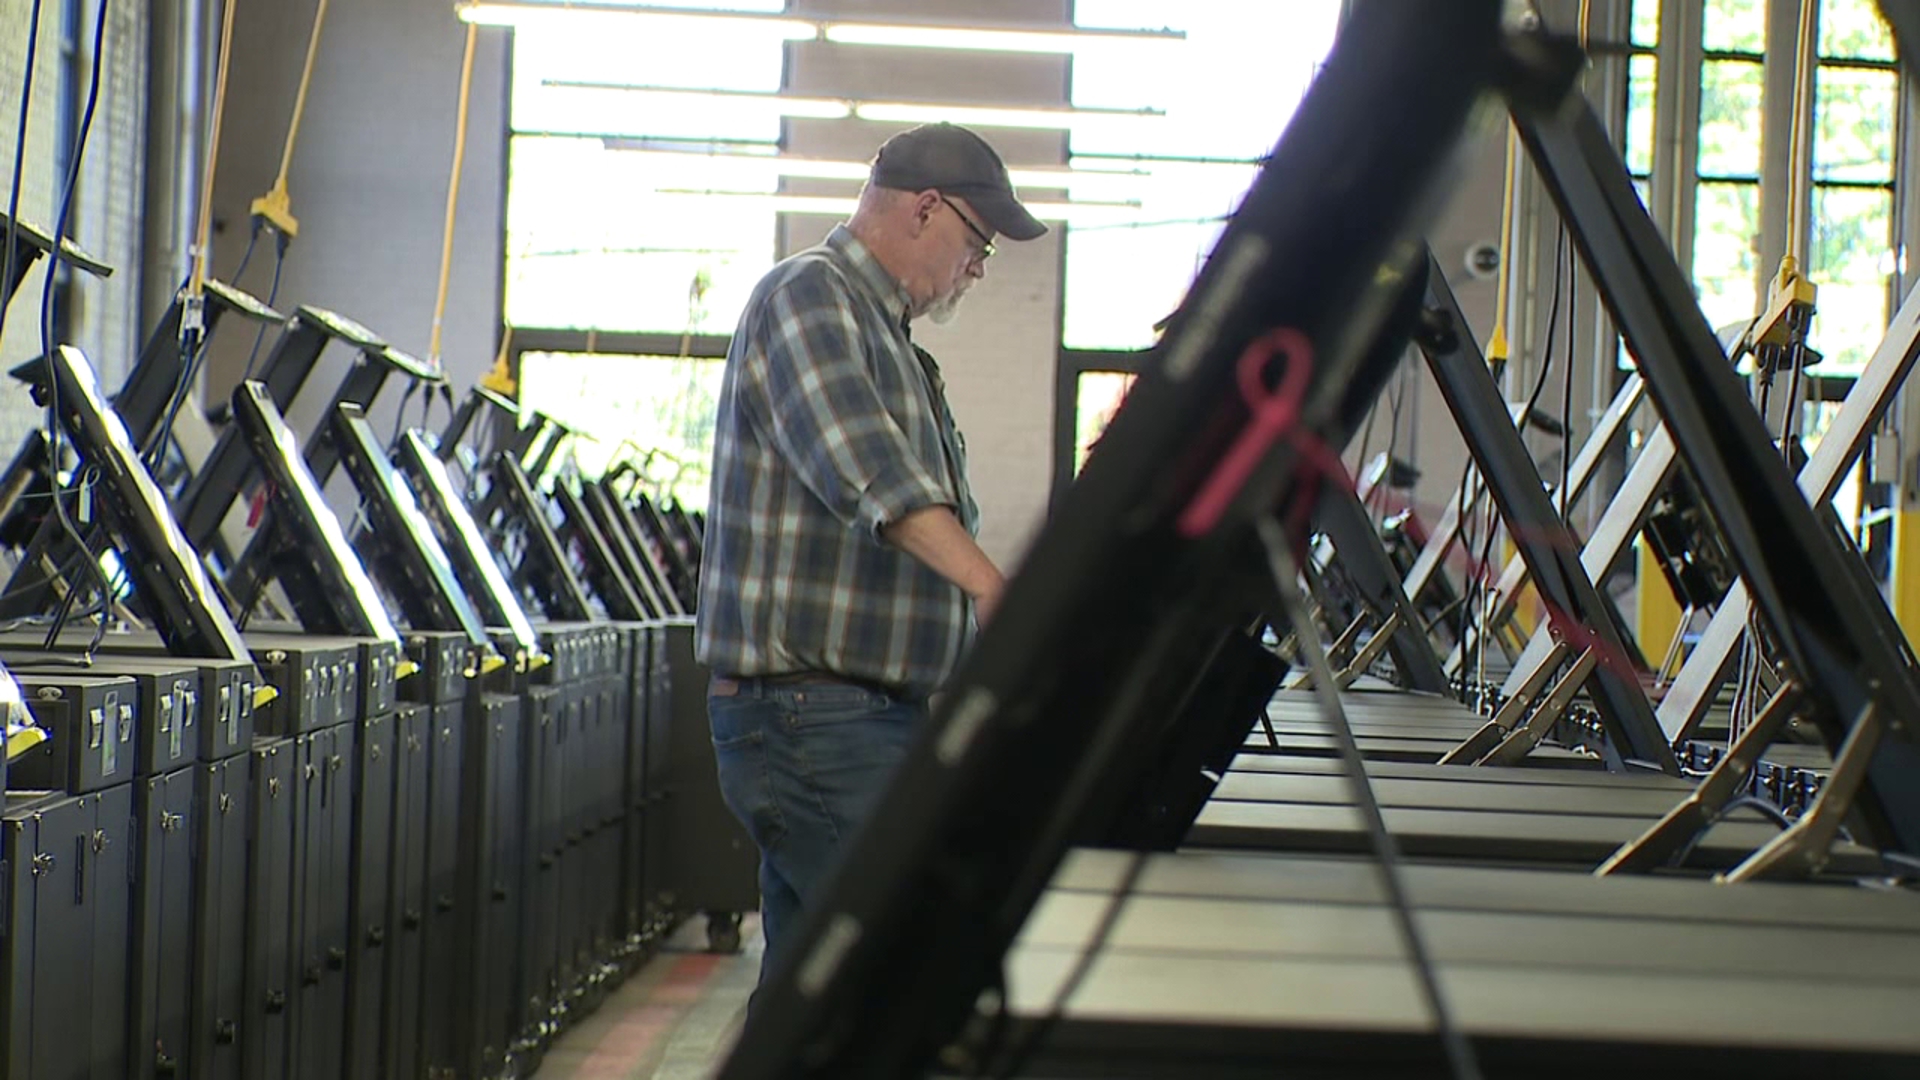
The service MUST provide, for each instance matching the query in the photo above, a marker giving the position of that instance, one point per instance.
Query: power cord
(1743, 802)
(273, 294)
(19, 165)
(1036, 1036)
(400, 414)
(46, 313)
(1461, 1059)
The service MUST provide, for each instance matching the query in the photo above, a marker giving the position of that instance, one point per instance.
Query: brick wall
(106, 202)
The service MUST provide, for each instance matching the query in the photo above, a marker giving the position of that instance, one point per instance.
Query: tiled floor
(672, 1021)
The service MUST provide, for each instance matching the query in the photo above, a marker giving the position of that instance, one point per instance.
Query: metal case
(407, 897)
(65, 947)
(223, 712)
(324, 822)
(221, 910)
(169, 696)
(92, 720)
(163, 925)
(541, 855)
(713, 864)
(272, 862)
(447, 665)
(446, 952)
(369, 927)
(319, 681)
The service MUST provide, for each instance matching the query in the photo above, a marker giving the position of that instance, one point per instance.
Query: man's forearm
(935, 536)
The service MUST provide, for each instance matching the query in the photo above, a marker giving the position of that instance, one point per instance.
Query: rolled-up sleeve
(825, 413)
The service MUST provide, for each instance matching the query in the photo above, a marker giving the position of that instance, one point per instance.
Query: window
(1855, 132)
(1176, 178)
(1227, 92)
(630, 209)
(1856, 102)
(662, 408)
(1726, 204)
(1096, 399)
(632, 213)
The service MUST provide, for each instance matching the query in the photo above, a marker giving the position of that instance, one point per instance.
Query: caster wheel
(723, 932)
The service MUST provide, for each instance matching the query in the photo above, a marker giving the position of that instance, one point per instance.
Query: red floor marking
(634, 1035)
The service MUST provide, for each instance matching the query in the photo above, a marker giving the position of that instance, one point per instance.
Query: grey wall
(369, 175)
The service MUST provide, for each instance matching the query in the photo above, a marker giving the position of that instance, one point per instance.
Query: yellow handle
(264, 695)
(23, 740)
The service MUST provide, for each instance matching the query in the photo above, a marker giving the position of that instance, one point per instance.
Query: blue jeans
(800, 765)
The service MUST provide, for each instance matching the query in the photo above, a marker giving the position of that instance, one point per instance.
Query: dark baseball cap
(955, 161)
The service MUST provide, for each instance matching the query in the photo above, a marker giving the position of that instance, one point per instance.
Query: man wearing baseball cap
(841, 581)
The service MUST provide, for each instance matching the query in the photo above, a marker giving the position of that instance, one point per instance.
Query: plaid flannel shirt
(832, 424)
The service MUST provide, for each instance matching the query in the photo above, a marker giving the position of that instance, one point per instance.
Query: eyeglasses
(986, 242)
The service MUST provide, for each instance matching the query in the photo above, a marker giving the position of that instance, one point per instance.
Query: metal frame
(548, 572)
(142, 402)
(1575, 607)
(1838, 639)
(229, 469)
(362, 383)
(417, 571)
(322, 574)
(629, 544)
(473, 562)
(1364, 561)
(621, 594)
(187, 611)
(1873, 394)
(1580, 475)
(1612, 536)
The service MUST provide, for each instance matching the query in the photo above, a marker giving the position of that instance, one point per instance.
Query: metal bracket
(1368, 653)
(1528, 735)
(1804, 848)
(1482, 742)
(1338, 649)
(1657, 845)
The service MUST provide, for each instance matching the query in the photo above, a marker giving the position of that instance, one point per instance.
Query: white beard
(945, 308)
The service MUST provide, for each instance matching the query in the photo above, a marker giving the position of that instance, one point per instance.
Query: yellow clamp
(537, 660)
(23, 740)
(1789, 291)
(276, 208)
(264, 695)
(404, 668)
(489, 663)
(500, 380)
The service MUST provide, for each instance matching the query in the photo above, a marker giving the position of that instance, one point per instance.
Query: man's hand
(934, 536)
(987, 602)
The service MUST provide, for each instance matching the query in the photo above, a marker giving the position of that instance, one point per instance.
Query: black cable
(400, 414)
(1467, 608)
(19, 167)
(46, 308)
(1461, 1059)
(253, 235)
(273, 294)
(1366, 432)
(1553, 321)
(1036, 1036)
(1741, 802)
(1566, 396)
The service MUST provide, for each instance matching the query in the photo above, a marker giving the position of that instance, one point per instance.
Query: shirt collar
(867, 270)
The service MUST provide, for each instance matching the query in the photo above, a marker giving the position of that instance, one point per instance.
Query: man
(840, 581)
